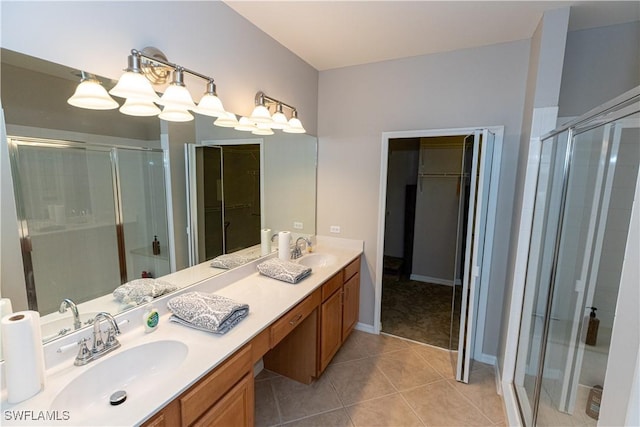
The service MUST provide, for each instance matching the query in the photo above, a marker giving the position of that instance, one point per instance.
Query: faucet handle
(111, 338)
(84, 354)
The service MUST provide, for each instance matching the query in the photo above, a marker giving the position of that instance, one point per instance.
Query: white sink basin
(138, 371)
(317, 260)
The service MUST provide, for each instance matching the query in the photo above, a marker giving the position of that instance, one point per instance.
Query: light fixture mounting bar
(140, 54)
(261, 98)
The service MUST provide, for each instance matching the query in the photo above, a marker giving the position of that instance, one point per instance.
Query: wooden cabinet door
(330, 328)
(235, 409)
(351, 305)
(169, 416)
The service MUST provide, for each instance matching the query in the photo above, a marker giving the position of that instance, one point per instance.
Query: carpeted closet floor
(420, 311)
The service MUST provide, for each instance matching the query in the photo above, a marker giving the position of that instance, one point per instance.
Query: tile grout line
(275, 398)
(470, 402)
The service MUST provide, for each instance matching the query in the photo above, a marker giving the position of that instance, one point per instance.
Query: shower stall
(587, 177)
(88, 216)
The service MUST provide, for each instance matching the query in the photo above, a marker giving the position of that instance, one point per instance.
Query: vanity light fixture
(245, 124)
(150, 66)
(91, 94)
(262, 118)
(262, 129)
(295, 125)
(227, 120)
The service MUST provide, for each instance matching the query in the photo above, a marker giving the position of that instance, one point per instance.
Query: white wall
(471, 87)
(600, 64)
(540, 115)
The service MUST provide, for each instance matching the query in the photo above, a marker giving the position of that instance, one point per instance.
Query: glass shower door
(144, 212)
(66, 200)
(553, 159)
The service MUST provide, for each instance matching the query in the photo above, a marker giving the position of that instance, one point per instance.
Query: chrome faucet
(297, 252)
(100, 346)
(68, 304)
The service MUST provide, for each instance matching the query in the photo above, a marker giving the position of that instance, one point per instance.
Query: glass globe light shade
(134, 85)
(261, 114)
(210, 105)
(295, 126)
(262, 129)
(279, 121)
(137, 107)
(92, 95)
(227, 120)
(173, 114)
(245, 124)
(177, 97)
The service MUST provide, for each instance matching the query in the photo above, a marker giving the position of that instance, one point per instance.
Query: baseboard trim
(487, 358)
(364, 327)
(434, 280)
(511, 405)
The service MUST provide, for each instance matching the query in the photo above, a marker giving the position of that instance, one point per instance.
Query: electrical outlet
(298, 225)
(334, 229)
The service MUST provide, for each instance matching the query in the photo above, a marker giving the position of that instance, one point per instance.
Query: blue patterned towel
(207, 312)
(284, 270)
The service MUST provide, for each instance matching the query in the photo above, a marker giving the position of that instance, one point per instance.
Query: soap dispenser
(592, 329)
(155, 246)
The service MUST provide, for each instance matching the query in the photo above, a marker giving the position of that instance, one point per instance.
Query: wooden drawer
(293, 318)
(210, 389)
(235, 409)
(331, 285)
(351, 269)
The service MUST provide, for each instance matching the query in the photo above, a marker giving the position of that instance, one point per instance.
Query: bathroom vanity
(179, 376)
(300, 345)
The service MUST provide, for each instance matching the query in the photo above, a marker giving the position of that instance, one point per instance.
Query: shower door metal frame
(23, 229)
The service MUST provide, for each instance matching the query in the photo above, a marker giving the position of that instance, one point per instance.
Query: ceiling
(334, 34)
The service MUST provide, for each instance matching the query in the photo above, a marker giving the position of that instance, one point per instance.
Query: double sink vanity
(179, 376)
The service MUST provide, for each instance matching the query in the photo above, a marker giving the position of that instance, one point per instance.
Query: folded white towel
(207, 312)
(227, 261)
(140, 291)
(283, 270)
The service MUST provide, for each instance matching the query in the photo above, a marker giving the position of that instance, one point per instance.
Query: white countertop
(268, 300)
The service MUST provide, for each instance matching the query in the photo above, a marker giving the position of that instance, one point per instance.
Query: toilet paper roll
(265, 241)
(23, 355)
(284, 243)
(5, 308)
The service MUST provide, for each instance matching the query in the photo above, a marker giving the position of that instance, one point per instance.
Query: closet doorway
(438, 188)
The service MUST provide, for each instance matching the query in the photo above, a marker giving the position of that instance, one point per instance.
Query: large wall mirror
(93, 190)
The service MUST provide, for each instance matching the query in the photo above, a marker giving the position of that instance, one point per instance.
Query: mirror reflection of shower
(228, 198)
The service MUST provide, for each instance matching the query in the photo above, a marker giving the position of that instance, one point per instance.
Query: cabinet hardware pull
(295, 320)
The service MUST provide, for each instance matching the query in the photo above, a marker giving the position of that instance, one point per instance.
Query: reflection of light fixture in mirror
(136, 107)
(261, 113)
(295, 125)
(279, 120)
(175, 114)
(91, 94)
(245, 125)
(210, 104)
(133, 83)
(227, 120)
(262, 129)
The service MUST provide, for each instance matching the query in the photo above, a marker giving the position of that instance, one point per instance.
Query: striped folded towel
(207, 312)
(283, 270)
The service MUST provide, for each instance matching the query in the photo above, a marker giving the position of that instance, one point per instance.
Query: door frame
(498, 131)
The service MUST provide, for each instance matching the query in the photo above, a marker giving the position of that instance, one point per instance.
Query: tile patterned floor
(378, 380)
